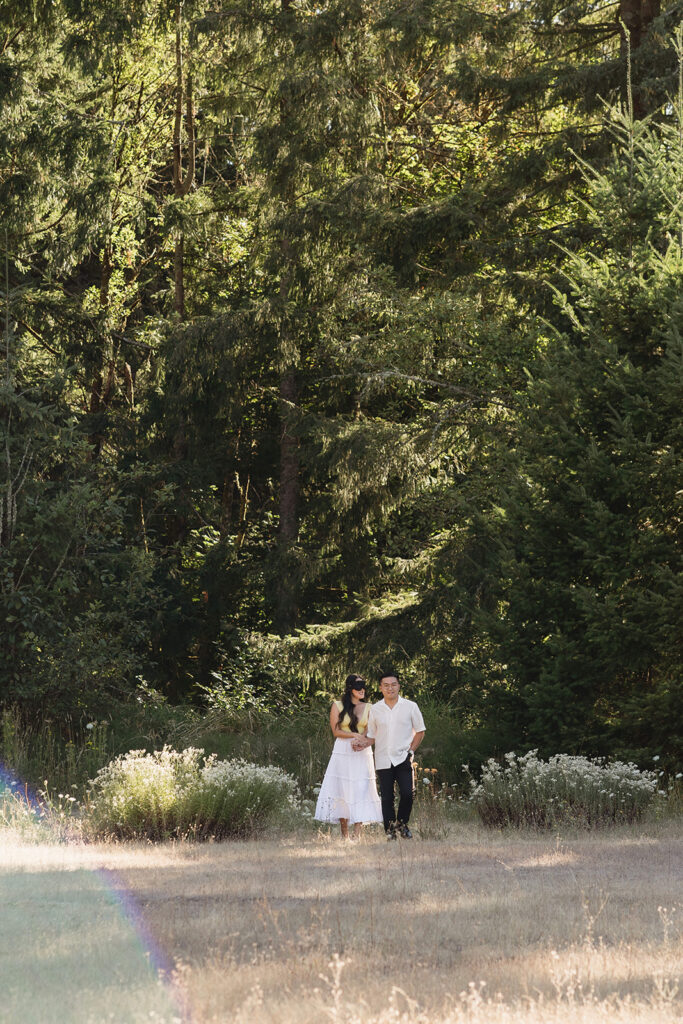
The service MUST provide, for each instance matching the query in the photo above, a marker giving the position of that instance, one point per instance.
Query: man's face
(389, 687)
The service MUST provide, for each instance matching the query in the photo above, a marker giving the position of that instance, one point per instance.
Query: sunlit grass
(578, 928)
(69, 951)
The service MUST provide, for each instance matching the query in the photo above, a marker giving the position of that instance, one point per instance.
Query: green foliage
(169, 793)
(585, 529)
(480, 479)
(61, 752)
(561, 791)
(296, 739)
(61, 547)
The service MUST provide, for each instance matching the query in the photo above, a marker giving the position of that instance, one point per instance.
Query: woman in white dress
(349, 791)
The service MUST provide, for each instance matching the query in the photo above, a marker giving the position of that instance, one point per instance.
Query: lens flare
(74, 945)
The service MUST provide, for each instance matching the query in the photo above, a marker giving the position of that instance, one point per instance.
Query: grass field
(473, 927)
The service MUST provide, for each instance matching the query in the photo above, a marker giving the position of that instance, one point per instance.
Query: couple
(349, 792)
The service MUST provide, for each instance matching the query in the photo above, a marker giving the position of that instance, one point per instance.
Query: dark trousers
(403, 774)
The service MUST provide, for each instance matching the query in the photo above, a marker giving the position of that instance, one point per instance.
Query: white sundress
(349, 789)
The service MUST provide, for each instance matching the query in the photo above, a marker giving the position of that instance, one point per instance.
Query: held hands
(359, 743)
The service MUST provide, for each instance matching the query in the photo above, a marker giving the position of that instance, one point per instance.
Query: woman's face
(358, 694)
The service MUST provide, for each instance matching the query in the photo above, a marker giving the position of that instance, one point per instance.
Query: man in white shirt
(396, 728)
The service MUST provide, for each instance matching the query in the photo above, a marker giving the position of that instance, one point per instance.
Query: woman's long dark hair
(347, 703)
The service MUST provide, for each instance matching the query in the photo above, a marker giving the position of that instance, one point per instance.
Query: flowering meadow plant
(180, 793)
(565, 789)
(17, 817)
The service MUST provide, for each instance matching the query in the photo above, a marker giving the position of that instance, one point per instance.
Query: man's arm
(419, 730)
(416, 741)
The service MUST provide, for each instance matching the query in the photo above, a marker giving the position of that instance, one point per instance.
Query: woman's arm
(361, 742)
(334, 725)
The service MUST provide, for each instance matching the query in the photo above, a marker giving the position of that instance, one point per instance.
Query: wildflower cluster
(435, 803)
(17, 814)
(41, 816)
(179, 793)
(578, 790)
(427, 786)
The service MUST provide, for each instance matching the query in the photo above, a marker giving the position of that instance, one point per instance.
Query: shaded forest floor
(474, 926)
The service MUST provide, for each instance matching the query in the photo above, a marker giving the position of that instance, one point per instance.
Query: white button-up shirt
(393, 729)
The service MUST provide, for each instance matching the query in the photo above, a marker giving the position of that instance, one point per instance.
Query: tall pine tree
(585, 642)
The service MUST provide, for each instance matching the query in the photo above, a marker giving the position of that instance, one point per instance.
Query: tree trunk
(287, 587)
(289, 500)
(179, 276)
(181, 184)
(636, 16)
(289, 461)
(244, 508)
(99, 391)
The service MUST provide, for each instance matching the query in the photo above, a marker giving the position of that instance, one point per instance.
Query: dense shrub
(169, 793)
(564, 789)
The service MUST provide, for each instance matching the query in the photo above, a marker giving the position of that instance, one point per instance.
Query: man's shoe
(405, 832)
(391, 833)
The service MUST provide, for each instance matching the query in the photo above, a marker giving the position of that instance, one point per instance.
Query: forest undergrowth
(64, 755)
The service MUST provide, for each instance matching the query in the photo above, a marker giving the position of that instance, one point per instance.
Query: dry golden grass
(581, 929)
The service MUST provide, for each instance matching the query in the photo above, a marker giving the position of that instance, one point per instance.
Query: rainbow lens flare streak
(74, 944)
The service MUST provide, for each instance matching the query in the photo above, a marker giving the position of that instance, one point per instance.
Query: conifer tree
(531, 78)
(277, 269)
(585, 533)
(72, 192)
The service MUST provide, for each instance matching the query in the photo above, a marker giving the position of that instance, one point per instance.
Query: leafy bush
(169, 793)
(564, 789)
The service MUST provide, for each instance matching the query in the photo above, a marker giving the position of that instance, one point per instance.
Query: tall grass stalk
(46, 756)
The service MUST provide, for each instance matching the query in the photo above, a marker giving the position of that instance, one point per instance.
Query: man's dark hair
(388, 671)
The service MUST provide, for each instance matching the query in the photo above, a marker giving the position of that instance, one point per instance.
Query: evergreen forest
(342, 335)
